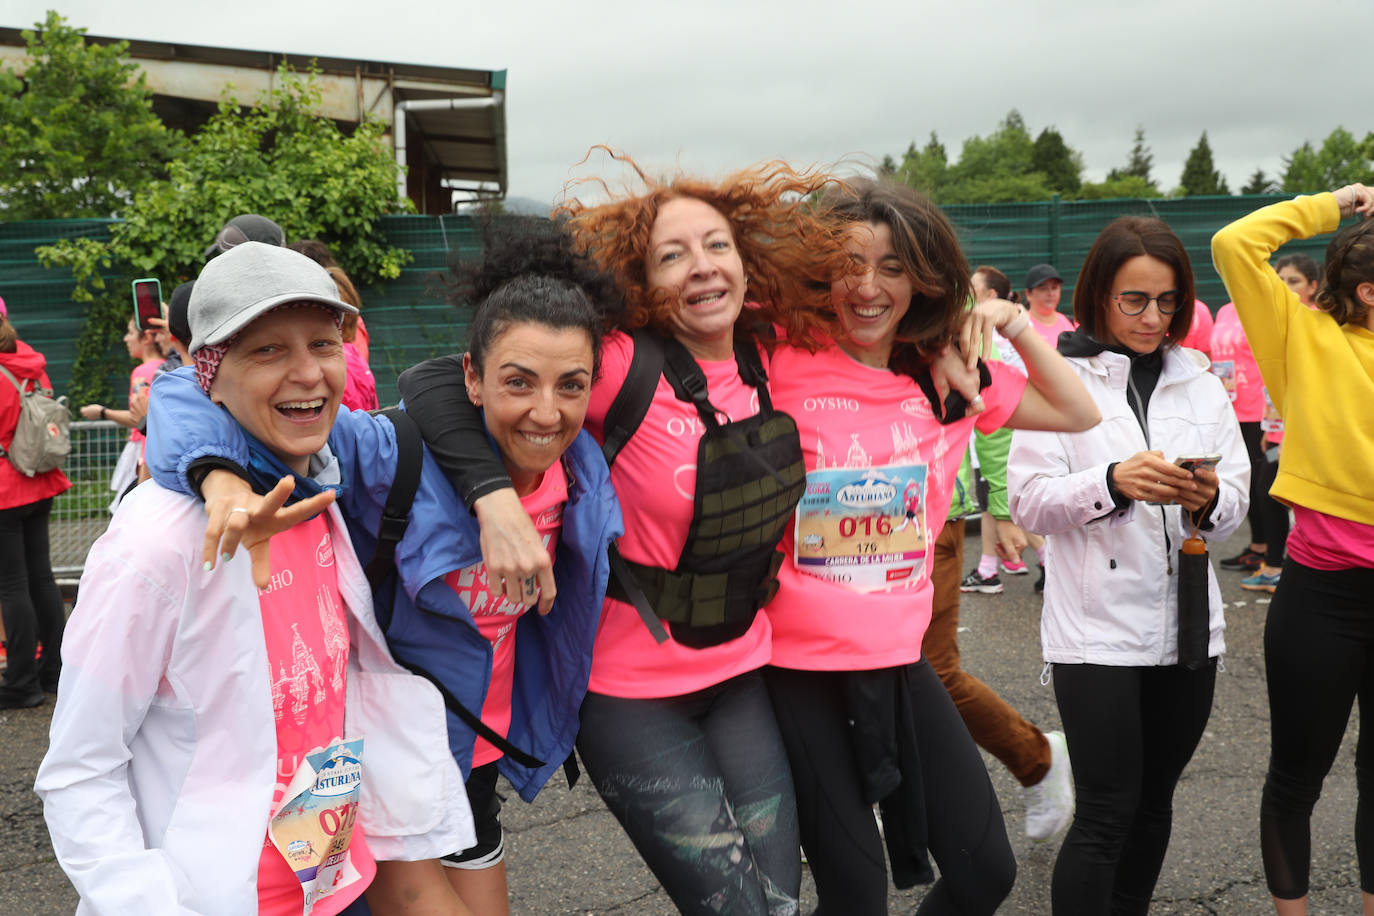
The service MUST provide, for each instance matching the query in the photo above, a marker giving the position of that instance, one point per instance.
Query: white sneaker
(1049, 803)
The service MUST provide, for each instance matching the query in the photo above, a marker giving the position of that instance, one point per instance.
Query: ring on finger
(977, 401)
(239, 509)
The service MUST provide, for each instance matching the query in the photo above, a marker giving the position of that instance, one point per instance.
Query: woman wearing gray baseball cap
(203, 719)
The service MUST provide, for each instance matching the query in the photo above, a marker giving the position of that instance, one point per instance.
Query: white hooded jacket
(1111, 584)
(160, 771)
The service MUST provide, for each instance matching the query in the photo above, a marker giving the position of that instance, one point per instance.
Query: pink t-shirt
(306, 629)
(360, 387)
(1324, 541)
(1235, 365)
(880, 475)
(1050, 332)
(655, 478)
(496, 617)
(139, 380)
(1200, 334)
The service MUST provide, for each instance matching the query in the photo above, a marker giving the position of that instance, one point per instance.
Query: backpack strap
(395, 520)
(396, 512)
(483, 730)
(635, 395)
(684, 373)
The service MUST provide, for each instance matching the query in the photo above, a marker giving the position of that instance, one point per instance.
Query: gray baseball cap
(248, 280)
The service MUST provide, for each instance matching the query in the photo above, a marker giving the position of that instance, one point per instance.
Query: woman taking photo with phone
(1116, 510)
(1318, 367)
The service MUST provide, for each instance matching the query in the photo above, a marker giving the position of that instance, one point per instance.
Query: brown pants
(994, 725)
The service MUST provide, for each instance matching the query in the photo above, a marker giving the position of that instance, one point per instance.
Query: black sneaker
(1040, 583)
(12, 699)
(976, 583)
(1246, 561)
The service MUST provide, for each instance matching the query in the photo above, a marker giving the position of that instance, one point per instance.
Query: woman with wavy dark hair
(1319, 369)
(863, 714)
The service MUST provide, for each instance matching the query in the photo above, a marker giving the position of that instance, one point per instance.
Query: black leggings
(1131, 731)
(700, 783)
(1253, 437)
(1275, 515)
(967, 837)
(1319, 656)
(29, 600)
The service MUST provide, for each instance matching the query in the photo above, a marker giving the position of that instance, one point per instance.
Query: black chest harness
(750, 477)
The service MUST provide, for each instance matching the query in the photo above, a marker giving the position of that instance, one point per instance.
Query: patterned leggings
(701, 785)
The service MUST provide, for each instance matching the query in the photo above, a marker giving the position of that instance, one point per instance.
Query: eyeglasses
(1133, 303)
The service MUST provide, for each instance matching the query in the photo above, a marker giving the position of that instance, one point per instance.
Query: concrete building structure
(447, 125)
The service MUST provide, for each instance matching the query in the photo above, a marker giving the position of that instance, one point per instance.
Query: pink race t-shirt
(855, 588)
(496, 617)
(1050, 332)
(655, 477)
(1200, 334)
(139, 380)
(306, 629)
(1235, 365)
(1324, 541)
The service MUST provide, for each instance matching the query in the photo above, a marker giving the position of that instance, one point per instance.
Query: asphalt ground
(567, 855)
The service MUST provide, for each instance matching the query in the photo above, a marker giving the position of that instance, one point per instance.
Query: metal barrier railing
(80, 515)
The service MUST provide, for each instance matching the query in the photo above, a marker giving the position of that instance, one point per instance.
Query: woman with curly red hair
(677, 731)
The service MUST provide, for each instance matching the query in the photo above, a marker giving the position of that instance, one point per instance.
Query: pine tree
(1199, 175)
(1061, 166)
(1139, 163)
(1259, 183)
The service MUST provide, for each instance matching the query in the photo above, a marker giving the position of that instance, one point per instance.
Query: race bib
(863, 527)
(1225, 369)
(313, 830)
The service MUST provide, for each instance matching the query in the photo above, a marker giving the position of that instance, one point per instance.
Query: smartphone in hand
(147, 302)
(1192, 463)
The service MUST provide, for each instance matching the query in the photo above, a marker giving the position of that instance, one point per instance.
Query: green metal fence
(408, 320)
(1014, 237)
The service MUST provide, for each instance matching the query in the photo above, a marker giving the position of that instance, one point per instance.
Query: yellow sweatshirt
(1320, 375)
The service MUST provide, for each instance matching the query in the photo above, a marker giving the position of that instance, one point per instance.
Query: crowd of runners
(688, 514)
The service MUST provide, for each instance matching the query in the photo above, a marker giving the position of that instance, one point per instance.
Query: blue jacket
(429, 625)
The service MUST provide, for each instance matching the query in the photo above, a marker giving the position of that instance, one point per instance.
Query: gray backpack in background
(42, 437)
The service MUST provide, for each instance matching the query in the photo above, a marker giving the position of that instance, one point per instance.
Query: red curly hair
(789, 250)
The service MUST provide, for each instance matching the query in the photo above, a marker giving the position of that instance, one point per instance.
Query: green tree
(78, 129)
(1061, 166)
(1117, 187)
(1259, 183)
(1341, 160)
(1199, 175)
(926, 169)
(281, 159)
(1139, 163)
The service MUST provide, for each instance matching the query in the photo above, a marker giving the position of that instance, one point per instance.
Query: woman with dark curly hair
(677, 730)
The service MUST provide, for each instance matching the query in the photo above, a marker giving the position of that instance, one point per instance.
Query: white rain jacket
(1111, 589)
(158, 781)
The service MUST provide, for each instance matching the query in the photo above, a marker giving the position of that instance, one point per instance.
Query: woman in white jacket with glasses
(1116, 509)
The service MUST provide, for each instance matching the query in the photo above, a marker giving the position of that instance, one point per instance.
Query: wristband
(102, 412)
(1014, 327)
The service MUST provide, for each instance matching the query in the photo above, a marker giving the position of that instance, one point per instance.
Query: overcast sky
(709, 85)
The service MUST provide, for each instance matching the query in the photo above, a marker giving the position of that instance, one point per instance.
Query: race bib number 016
(863, 527)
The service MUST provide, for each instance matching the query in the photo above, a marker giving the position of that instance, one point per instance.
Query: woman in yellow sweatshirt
(1319, 637)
